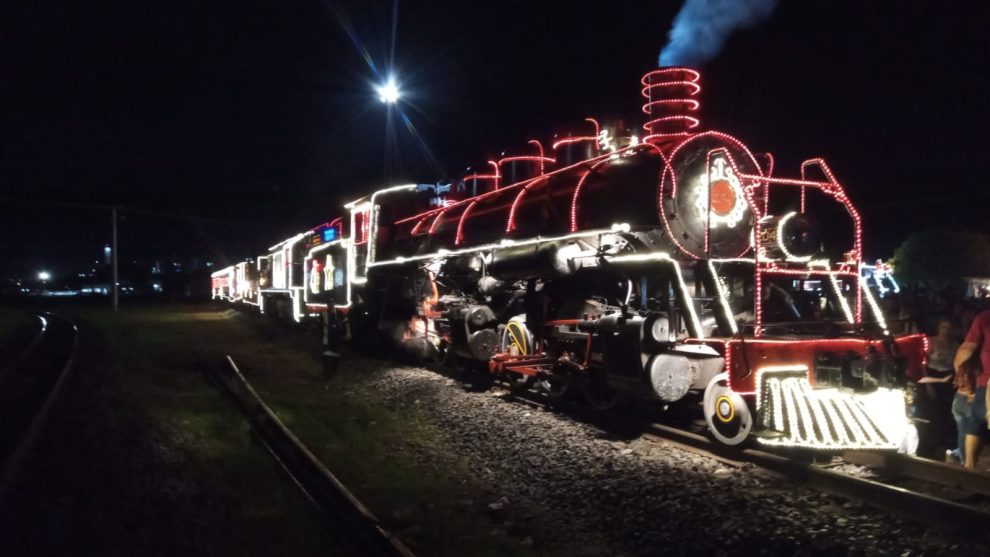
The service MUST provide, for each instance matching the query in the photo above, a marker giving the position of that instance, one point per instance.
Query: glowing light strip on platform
(795, 398)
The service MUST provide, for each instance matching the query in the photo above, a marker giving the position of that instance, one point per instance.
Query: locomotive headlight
(796, 237)
(793, 237)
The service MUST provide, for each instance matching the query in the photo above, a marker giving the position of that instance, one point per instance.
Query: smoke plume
(701, 27)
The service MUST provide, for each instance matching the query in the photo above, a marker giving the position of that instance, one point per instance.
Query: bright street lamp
(388, 92)
(44, 275)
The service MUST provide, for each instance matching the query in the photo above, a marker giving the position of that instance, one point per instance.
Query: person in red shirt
(970, 404)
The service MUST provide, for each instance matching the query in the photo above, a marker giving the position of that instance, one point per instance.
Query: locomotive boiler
(667, 264)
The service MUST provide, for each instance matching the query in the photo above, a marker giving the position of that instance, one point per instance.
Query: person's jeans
(970, 415)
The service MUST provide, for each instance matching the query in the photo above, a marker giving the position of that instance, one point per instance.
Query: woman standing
(935, 394)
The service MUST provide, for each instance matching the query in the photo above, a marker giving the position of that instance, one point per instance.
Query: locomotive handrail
(830, 187)
(579, 138)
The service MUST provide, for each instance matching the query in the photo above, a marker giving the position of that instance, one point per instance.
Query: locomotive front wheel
(726, 413)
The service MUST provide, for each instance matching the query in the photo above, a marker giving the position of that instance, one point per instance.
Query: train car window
(298, 273)
(278, 270)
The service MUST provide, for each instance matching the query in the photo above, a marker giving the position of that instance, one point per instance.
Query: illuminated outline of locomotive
(621, 271)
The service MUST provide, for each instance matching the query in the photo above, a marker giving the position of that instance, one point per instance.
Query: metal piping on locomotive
(646, 268)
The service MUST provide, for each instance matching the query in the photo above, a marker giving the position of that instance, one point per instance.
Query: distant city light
(44, 275)
(388, 92)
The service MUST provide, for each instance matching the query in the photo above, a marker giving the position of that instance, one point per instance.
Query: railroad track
(7, 366)
(351, 523)
(29, 386)
(948, 496)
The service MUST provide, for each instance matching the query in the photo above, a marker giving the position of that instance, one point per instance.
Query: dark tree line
(940, 257)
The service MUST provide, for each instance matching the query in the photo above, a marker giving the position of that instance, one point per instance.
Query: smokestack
(672, 105)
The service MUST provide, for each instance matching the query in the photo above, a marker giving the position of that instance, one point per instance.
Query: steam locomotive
(621, 265)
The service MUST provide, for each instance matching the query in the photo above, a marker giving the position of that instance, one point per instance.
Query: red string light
(539, 158)
(580, 138)
(574, 199)
(669, 98)
(328, 224)
(577, 193)
(460, 223)
(578, 188)
(363, 226)
(511, 225)
(436, 221)
(496, 173)
(419, 225)
(767, 169)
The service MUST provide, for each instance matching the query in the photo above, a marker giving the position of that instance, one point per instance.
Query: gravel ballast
(555, 480)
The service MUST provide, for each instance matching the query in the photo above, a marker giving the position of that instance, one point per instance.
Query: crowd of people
(950, 407)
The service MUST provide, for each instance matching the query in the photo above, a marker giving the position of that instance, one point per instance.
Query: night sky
(225, 126)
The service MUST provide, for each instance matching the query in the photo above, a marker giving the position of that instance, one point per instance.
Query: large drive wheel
(518, 382)
(557, 388)
(726, 413)
(516, 335)
(600, 395)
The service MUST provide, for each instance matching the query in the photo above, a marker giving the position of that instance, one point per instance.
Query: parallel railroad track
(29, 386)
(350, 522)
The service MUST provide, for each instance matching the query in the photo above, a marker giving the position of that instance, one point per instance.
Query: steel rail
(891, 498)
(29, 437)
(27, 350)
(356, 527)
(940, 473)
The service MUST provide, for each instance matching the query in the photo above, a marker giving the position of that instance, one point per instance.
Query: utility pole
(116, 283)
